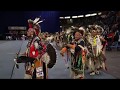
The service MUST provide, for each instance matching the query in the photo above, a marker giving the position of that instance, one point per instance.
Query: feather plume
(36, 20)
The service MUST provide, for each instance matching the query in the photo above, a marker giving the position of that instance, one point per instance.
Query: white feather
(36, 20)
(99, 45)
(39, 22)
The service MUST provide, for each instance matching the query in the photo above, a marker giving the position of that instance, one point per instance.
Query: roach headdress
(35, 24)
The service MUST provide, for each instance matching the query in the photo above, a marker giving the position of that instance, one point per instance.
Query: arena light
(99, 13)
(67, 17)
(80, 16)
(94, 14)
(87, 15)
(74, 16)
(61, 17)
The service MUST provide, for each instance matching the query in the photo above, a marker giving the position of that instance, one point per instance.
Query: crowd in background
(109, 20)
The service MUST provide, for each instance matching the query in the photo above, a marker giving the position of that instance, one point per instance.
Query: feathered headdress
(99, 29)
(35, 24)
(30, 23)
(92, 28)
(38, 21)
(79, 29)
(82, 29)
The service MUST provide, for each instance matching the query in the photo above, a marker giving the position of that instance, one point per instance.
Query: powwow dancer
(77, 55)
(37, 57)
(94, 46)
(104, 43)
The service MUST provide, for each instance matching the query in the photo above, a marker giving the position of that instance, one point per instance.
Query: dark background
(19, 18)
